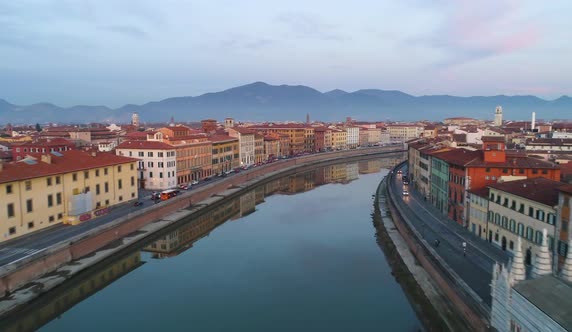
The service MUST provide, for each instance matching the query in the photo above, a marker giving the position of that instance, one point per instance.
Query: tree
(38, 127)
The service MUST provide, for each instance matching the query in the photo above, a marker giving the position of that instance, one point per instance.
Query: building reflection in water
(183, 238)
(52, 304)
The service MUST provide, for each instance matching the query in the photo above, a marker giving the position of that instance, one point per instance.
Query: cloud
(472, 31)
(305, 25)
(126, 30)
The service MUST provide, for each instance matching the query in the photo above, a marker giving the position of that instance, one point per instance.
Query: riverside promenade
(465, 277)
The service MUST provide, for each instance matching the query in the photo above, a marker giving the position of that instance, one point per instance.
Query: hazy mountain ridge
(260, 101)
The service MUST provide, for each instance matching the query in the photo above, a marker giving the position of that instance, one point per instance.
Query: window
(544, 171)
(538, 237)
(530, 233)
(10, 209)
(131, 166)
(551, 219)
(520, 229)
(12, 230)
(149, 154)
(497, 237)
(505, 222)
(106, 187)
(505, 170)
(86, 175)
(521, 171)
(492, 197)
(497, 219)
(106, 202)
(51, 219)
(60, 216)
(161, 175)
(150, 174)
(30, 225)
(58, 180)
(534, 171)
(28, 185)
(132, 181)
(97, 189)
(521, 208)
(505, 203)
(74, 177)
(487, 169)
(96, 172)
(105, 171)
(160, 154)
(120, 198)
(119, 169)
(513, 205)
(50, 200)
(49, 181)
(511, 245)
(141, 154)
(29, 206)
(487, 177)
(530, 211)
(512, 225)
(540, 215)
(59, 198)
(8, 189)
(491, 216)
(119, 184)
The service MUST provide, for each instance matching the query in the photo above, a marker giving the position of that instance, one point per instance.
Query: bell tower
(498, 116)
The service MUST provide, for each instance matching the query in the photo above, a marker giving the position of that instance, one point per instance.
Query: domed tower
(498, 116)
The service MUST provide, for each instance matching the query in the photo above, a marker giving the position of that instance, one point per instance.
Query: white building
(399, 133)
(541, 303)
(246, 144)
(157, 165)
(352, 137)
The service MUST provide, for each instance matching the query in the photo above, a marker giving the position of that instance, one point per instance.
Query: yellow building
(225, 153)
(68, 187)
(259, 155)
(339, 139)
(298, 134)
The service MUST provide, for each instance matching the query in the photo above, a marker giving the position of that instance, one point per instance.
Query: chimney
(46, 158)
(94, 154)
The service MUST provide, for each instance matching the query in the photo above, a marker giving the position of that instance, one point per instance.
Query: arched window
(491, 216)
(530, 233)
(505, 222)
(497, 219)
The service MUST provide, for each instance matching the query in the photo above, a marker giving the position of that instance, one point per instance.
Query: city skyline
(115, 53)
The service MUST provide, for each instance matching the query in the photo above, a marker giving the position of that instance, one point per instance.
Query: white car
(405, 193)
(194, 182)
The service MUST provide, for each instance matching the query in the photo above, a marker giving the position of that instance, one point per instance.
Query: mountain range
(260, 101)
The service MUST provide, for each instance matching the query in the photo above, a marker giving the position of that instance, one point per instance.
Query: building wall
(504, 221)
(480, 177)
(478, 208)
(563, 225)
(352, 137)
(457, 194)
(225, 156)
(339, 139)
(309, 139)
(439, 184)
(259, 155)
(194, 161)
(65, 186)
(157, 169)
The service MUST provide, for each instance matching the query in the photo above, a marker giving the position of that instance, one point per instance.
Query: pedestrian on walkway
(464, 248)
(437, 242)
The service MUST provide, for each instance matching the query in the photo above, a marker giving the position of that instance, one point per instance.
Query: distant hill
(261, 101)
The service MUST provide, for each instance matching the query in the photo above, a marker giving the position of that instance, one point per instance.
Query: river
(298, 253)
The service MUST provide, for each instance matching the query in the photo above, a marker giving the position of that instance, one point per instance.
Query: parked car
(184, 186)
(194, 182)
(155, 196)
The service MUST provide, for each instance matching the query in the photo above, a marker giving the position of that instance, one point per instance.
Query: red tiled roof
(540, 190)
(145, 145)
(460, 157)
(69, 161)
(514, 162)
(222, 138)
(481, 192)
(493, 139)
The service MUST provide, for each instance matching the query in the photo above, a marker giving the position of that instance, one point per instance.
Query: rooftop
(539, 190)
(499, 139)
(551, 295)
(145, 145)
(61, 162)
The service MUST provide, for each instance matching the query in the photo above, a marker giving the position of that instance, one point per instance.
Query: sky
(115, 52)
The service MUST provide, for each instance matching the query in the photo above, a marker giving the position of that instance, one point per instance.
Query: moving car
(167, 194)
(194, 182)
(405, 192)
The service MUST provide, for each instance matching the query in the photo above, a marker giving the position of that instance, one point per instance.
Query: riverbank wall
(53, 264)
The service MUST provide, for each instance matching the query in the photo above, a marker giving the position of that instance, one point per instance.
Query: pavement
(475, 267)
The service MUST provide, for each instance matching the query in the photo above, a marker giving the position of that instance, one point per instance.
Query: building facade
(246, 144)
(68, 187)
(225, 153)
(157, 163)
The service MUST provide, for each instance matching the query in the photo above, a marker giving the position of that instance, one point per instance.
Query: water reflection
(54, 303)
(183, 238)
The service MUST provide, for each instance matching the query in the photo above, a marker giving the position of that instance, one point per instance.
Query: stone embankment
(26, 279)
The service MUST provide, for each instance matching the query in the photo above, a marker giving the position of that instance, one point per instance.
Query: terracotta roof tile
(145, 145)
(63, 162)
(540, 190)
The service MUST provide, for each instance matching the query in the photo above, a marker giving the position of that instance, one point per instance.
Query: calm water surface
(295, 254)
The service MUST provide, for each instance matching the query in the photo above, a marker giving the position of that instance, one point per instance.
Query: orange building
(299, 137)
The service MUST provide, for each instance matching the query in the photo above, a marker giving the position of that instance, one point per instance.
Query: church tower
(498, 116)
(135, 120)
